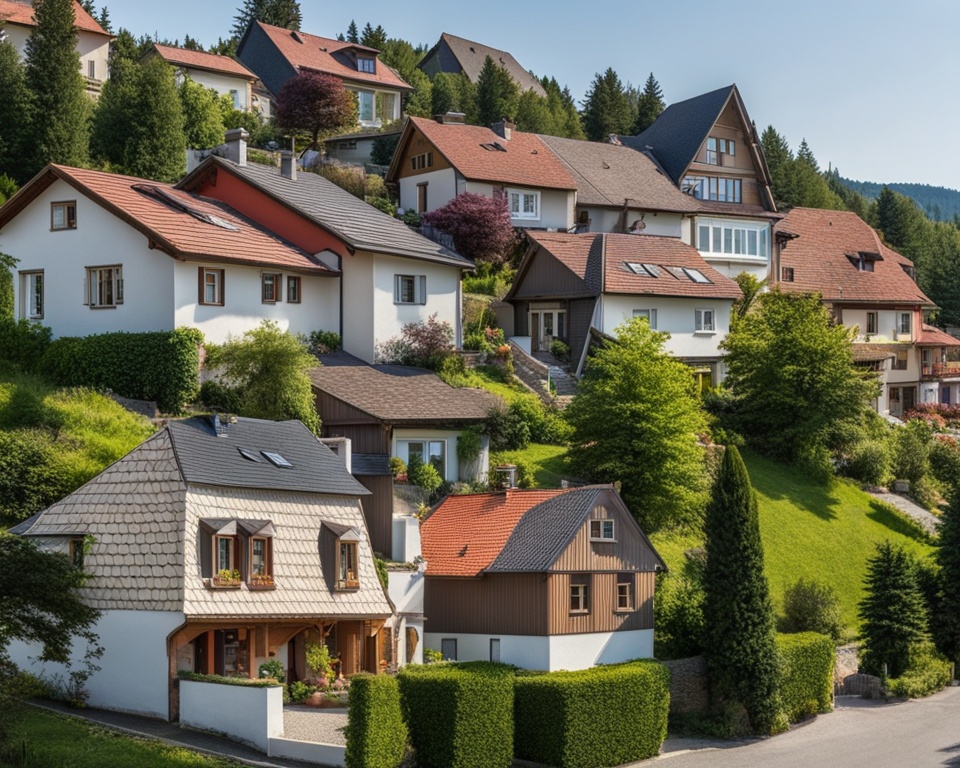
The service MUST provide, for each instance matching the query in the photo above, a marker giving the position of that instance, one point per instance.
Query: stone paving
(926, 518)
(323, 726)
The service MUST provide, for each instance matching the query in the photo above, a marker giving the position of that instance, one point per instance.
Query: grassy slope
(817, 532)
(53, 740)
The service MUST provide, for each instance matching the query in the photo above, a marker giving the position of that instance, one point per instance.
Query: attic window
(677, 272)
(276, 459)
(250, 455)
(366, 64)
(165, 197)
(495, 146)
(696, 275)
(644, 270)
(864, 260)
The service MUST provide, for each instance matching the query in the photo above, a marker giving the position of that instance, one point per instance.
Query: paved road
(910, 734)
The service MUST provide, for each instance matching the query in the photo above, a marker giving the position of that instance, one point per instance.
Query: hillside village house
(872, 288)
(390, 275)
(276, 54)
(558, 579)
(457, 55)
(93, 41)
(436, 160)
(227, 76)
(172, 521)
(568, 285)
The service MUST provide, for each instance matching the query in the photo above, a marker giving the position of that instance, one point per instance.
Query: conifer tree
(103, 19)
(649, 105)
(607, 109)
(278, 13)
(892, 611)
(742, 661)
(59, 115)
(353, 36)
(13, 106)
(373, 38)
(497, 94)
(533, 114)
(779, 159)
(946, 621)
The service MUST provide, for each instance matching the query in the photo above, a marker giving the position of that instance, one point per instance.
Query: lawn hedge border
(806, 686)
(460, 715)
(161, 366)
(592, 718)
(376, 733)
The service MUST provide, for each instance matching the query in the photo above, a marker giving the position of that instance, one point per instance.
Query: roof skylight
(644, 270)
(250, 455)
(696, 275)
(276, 459)
(677, 272)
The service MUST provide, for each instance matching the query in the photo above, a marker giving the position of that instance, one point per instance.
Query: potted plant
(262, 580)
(227, 579)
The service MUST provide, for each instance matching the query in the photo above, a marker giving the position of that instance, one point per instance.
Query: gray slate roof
(471, 57)
(608, 174)
(206, 459)
(545, 530)
(361, 226)
(677, 134)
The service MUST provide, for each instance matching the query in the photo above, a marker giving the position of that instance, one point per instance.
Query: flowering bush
(938, 416)
(424, 344)
(480, 226)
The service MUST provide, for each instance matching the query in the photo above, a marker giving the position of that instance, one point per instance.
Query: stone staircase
(564, 385)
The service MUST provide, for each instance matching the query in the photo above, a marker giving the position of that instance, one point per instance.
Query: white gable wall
(556, 205)
(100, 239)
(222, 83)
(441, 189)
(94, 48)
(608, 219)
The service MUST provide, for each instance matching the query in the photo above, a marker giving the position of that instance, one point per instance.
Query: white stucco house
(227, 76)
(262, 502)
(93, 41)
(543, 579)
(436, 160)
(568, 285)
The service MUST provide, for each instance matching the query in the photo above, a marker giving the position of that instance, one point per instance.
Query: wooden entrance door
(350, 642)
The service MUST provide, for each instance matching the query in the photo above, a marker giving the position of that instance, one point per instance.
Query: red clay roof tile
(21, 12)
(198, 59)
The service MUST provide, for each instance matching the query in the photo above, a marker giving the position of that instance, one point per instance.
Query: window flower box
(226, 580)
(349, 584)
(262, 581)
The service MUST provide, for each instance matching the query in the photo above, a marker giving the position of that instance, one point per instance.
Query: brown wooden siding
(339, 419)
(418, 145)
(740, 166)
(378, 512)
(579, 316)
(602, 615)
(504, 604)
(547, 277)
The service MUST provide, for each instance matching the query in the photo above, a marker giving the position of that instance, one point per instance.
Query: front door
(545, 326)
(350, 642)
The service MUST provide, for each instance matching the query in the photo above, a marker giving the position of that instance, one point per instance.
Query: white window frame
(904, 323)
(427, 450)
(650, 314)
(362, 97)
(719, 237)
(31, 294)
(631, 590)
(97, 280)
(705, 320)
(410, 289)
(607, 530)
(524, 204)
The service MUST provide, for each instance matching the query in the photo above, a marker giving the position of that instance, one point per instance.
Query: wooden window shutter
(396, 288)
(223, 287)
(200, 286)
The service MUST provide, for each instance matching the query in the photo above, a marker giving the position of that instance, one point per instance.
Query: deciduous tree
(636, 420)
(742, 661)
(202, 115)
(314, 103)
(480, 226)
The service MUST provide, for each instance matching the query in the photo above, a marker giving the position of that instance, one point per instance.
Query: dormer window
(340, 556)
(602, 530)
(366, 64)
(348, 574)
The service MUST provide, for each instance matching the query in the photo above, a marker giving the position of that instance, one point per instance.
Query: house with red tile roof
(93, 41)
(569, 285)
(543, 579)
(276, 54)
(225, 75)
(99, 252)
(870, 287)
(436, 160)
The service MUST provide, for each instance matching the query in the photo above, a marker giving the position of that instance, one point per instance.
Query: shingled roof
(480, 154)
(21, 12)
(823, 257)
(610, 175)
(397, 394)
(183, 224)
(471, 57)
(182, 57)
(359, 225)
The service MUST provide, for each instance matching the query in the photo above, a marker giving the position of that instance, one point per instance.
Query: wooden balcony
(948, 370)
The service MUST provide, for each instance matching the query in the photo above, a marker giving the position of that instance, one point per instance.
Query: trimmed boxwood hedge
(244, 682)
(459, 715)
(593, 717)
(806, 686)
(162, 366)
(376, 733)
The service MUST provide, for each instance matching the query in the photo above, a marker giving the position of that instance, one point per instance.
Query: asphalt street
(908, 734)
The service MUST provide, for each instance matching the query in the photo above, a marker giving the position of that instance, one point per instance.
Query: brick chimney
(236, 141)
(503, 129)
(288, 165)
(451, 118)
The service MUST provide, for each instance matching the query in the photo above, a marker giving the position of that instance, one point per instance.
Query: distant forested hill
(939, 203)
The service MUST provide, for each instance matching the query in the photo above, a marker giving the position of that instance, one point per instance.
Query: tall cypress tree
(742, 660)
(607, 109)
(946, 621)
(497, 94)
(59, 115)
(649, 105)
(13, 106)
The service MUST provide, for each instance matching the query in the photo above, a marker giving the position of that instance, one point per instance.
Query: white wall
(398, 446)
(441, 189)
(525, 651)
(406, 592)
(887, 324)
(134, 672)
(100, 238)
(222, 83)
(95, 48)
(443, 297)
(318, 308)
(358, 310)
(556, 205)
(608, 219)
(246, 713)
(677, 317)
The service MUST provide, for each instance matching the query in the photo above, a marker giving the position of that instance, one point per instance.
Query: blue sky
(873, 86)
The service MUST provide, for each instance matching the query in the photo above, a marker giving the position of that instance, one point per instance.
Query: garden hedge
(594, 717)
(806, 686)
(459, 715)
(162, 366)
(376, 734)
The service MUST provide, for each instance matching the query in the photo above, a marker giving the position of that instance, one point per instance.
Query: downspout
(340, 266)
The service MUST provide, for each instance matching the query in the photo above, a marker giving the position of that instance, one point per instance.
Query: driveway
(909, 734)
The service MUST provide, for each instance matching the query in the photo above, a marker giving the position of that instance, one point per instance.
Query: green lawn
(813, 531)
(54, 740)
(547, 462)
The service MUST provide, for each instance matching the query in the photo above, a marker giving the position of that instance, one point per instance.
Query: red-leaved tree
(314, 103)
(480, 226)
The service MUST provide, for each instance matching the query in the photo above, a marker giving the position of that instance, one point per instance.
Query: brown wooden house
(543, 579)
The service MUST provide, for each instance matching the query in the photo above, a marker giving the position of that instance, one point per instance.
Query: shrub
(679, 617)
(187, 674)
(348, 177)
(423, 475)
(323, 342)
(22, 343)
(397, 467)
(32, 475)
(525, 474)
(507, 429)
(376, 733)
(928, 673)
(806, 684)
(271, 668)
(592, 718)
(432, 656)
(911, 450)
(299, 692)
(318, 660)
(162, 366)
(469, 444)
(382, 204)
(214, 394)
(480, 226)
(810, 606)
(459, 715)
(560, 350)
(424, 344)
(869, 462)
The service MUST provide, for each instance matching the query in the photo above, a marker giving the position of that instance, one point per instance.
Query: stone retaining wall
(531, 372)
(689, 691)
